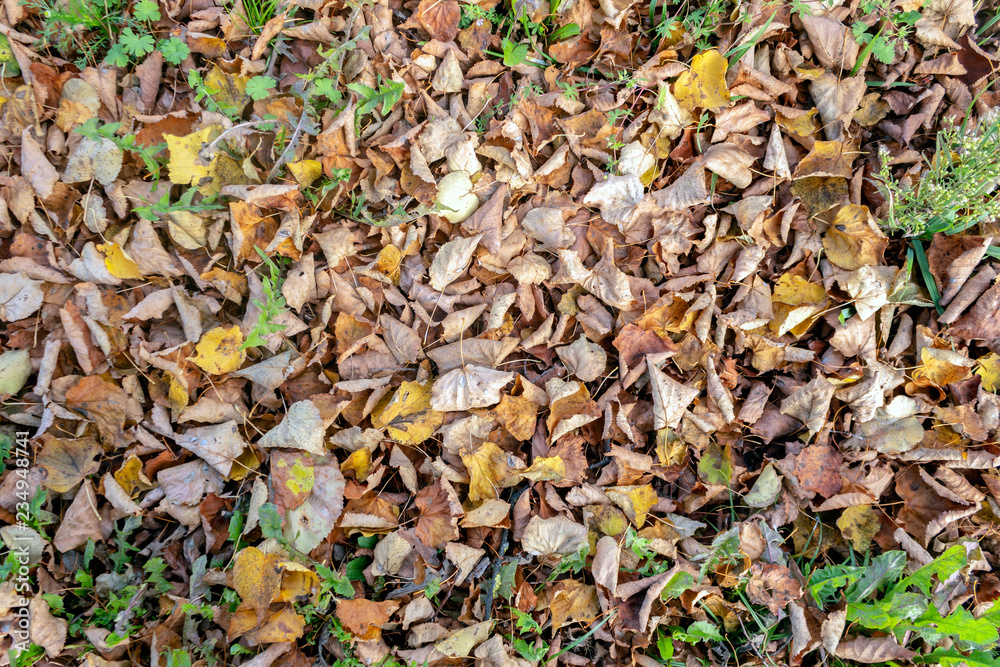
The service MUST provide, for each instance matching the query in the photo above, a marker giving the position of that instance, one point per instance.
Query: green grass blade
(925, 270)
(863, 56)
(738, 52)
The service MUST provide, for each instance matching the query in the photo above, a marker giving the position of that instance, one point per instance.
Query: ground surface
(433, 332)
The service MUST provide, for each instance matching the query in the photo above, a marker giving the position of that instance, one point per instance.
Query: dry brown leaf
(670, 397)
(556, 536)
(467, 388)
(584, 359)
(81, 521)
(451, 261)
(364, 618)
(871, 650)
(67, 461)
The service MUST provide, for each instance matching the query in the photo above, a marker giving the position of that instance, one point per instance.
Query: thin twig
(294, 141)
(208, 151)
(121, 621)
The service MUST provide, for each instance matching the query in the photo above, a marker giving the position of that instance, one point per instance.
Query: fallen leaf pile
(502, 333)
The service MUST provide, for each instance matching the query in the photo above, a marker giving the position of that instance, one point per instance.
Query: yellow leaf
(795, 291)
(635, 501)
(298, 582)
(704, 85)
(218, 352)
(387, 263)
(574, 602)
(488, 467)
(119, 264)
(608, 519)
(306, 171)
(131, 476)
(408, 416)
(941, 367)
(802, 126)
(8, 63)
(177, 394)
(797, 304)
(546, 469)
(853, 239)
(229, 90)
(256, 578)
(185, 165)
(360, 462)
(243, 464)
(989, 371)
(858, 525)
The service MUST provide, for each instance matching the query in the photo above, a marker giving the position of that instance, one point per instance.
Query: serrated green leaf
(884, 568)
(116, 56)
(826, 581)
(884, 50)
(146, 10)
(951, 657)
(514, 54)
(174, 50)
(387, 95)
(699, 631)
(960, 625)
(945, 565)
(136, 45)
(259, 87)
